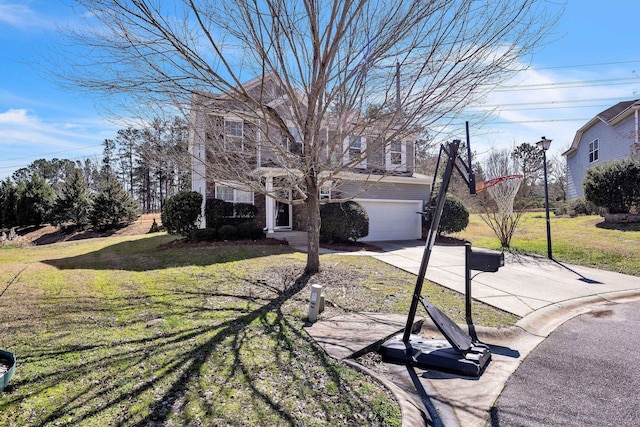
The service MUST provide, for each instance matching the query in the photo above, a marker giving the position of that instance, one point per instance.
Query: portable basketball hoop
(503, 190)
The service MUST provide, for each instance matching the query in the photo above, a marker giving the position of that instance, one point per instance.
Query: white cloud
(21, 16)
(25, 137)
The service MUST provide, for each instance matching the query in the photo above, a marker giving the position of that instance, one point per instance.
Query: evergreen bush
(342, 222)
(181, 212)
(204, 235)
(228, 232)
(250, 230)
(614, 185)
(455, 216)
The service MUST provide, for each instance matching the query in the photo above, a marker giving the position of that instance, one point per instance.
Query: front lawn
(132, 331)
(584, 240)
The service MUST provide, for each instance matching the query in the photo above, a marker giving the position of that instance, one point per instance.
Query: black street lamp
(544, 145)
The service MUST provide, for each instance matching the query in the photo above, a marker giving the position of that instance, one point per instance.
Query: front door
(283, 211)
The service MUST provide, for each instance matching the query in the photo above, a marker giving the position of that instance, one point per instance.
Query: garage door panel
(392, 220)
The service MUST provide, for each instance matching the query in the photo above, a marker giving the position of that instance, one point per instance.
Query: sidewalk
(544, 293)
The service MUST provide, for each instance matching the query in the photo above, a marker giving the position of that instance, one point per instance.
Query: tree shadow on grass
(223, 357)
(149, 254)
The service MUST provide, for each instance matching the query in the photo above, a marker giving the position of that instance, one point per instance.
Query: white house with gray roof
(614, 134)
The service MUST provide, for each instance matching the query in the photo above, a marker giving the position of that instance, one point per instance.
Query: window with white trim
(356, 147)
(593, 151)
(325, 192)
(233, 195)
(234, 135)
(396, 156)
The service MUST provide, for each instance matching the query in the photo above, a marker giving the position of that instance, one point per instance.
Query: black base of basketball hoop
(438, 355)
(458, 354)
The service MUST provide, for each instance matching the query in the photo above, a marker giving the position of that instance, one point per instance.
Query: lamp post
(544, 145)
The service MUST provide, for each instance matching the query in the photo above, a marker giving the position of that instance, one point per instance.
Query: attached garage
(393, 219)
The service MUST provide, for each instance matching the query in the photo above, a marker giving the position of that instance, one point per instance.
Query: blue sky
(592, 62)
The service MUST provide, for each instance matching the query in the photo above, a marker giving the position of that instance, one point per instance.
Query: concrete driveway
(525, 283)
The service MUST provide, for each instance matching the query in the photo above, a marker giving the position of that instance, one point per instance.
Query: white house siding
(614, 143)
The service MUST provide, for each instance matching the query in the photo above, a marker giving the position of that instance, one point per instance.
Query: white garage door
(392, 219)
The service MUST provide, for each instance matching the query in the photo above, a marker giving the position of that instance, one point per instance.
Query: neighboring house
(614, 134)
(384, 183)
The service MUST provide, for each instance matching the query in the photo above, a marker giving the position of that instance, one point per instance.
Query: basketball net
(503, 190)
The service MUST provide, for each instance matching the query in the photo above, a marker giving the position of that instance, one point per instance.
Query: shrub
(455, 216)
(614, 185)
(204, 235)
(216, 211)
(250, 230)
(342, 222)
(244, 210)
(181, 212)
(228, 232)
(579, 206)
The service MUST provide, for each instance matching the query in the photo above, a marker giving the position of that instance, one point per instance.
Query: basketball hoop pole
(431, 236)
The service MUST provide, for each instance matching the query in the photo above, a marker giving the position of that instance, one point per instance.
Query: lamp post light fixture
(544, 145)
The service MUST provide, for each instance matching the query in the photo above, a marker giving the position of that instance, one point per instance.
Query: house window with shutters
(396, 156)
(234, 135)
(593, 151)
(355, 151)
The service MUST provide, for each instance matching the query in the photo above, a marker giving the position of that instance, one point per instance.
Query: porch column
(270, 206)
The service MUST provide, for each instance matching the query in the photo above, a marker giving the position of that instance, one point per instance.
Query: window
(293, 147)
(357, 145)
(233, 135)
(396, 154)
(232, 195)
(593, 151)
(325, 192)
(395, 151)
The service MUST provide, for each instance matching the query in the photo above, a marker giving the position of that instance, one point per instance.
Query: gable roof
(610, 116)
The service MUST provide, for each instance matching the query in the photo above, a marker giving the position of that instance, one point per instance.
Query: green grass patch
(583, 240)
(126, 331)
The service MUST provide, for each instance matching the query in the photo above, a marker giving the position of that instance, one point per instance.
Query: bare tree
(501, 163)
(332, 59)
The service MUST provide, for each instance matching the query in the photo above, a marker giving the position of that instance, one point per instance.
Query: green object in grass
(7, 368)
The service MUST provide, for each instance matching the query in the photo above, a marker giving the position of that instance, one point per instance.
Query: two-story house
(614, 134)
(376, 172)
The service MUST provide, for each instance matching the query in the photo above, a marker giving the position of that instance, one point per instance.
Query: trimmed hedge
(455, 216)
(228, 232)
(181, 212)
(250, 230)
(342, 222)
(218, 212)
